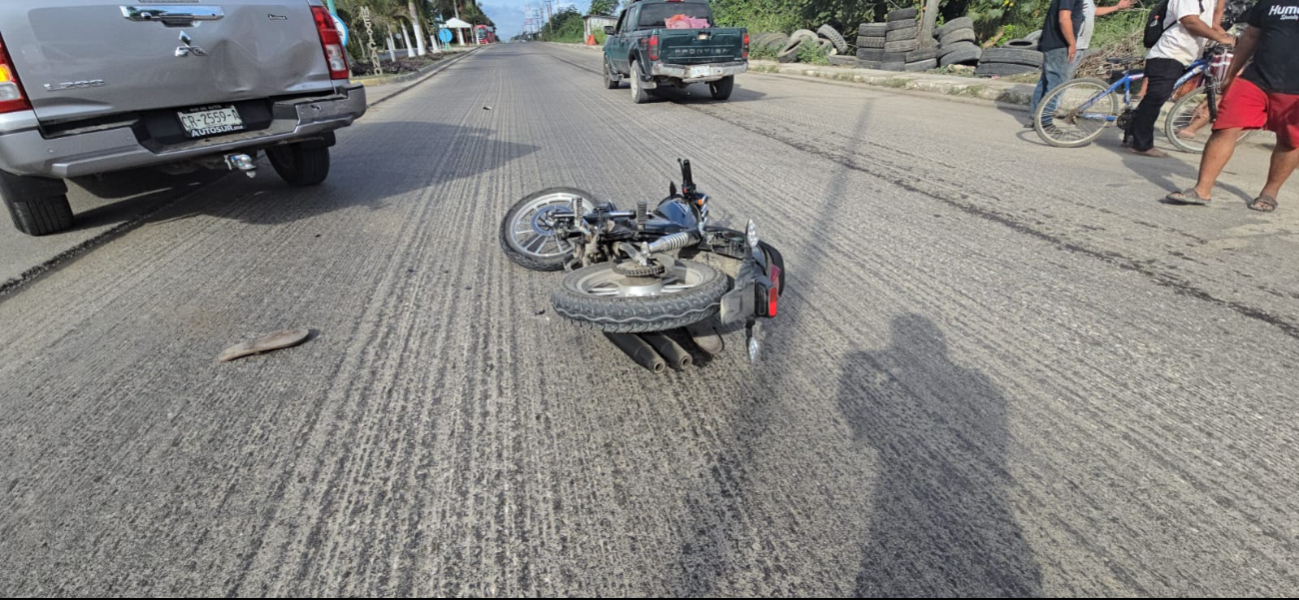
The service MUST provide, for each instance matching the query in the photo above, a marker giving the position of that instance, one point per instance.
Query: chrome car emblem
(274, 17)
(188, 48)
(73, 85)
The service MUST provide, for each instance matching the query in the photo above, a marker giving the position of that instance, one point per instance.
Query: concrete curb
(1015, 94)
(991, 90)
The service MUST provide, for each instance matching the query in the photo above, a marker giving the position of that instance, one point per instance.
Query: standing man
(1090, 12)
(1265, 96)
(1059, 47)
(1182, 42)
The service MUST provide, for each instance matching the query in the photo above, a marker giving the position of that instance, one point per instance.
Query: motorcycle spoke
(529, 248)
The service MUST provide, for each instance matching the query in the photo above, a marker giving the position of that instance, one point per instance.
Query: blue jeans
(1056, 69)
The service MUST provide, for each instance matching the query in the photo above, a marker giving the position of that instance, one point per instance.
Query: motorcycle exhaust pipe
(639, 351)
(672, 352)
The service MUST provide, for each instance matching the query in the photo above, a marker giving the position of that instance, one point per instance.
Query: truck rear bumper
(26, 151)
(698, 73)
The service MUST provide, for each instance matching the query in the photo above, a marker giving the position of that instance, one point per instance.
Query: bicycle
(1076, 113)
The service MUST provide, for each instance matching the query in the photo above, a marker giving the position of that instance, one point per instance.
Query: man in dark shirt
(1266, 96)
(1059, 46)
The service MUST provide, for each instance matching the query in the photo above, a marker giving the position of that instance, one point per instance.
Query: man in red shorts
(1266, 96)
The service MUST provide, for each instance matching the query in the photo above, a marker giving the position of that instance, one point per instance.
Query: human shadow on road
(940, 524)
(1169, 174)
(372, 166)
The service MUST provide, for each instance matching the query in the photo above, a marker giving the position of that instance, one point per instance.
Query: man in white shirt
(1193, 22)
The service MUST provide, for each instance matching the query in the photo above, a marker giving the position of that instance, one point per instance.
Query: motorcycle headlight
(751, 234)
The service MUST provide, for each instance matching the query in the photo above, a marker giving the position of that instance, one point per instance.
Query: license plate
(210, 120)
(700, 72)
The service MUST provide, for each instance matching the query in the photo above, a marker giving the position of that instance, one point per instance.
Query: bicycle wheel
(1190, 124)
(1076, 113)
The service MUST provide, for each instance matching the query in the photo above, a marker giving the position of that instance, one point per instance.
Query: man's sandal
(1187, 196)
(1263, 204)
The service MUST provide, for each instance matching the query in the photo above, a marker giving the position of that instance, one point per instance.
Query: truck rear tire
(300, 164)
(639, 95)
(38, 206)
(611, 81)
(721, 89)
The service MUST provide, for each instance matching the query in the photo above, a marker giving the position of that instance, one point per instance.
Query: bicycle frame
(1198, 67)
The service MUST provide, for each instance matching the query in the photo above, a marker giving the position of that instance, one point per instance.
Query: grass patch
(973, 91)
(896, 82)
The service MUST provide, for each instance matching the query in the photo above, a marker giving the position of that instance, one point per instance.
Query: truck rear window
(653, 16)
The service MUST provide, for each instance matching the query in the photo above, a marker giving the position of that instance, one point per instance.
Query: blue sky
(508, 14)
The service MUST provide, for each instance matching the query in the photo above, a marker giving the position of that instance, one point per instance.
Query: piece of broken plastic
(275, 341)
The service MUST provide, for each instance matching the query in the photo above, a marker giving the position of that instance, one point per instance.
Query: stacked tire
(871, 38)
(895, 45)
(957, 43)
(1001, 62)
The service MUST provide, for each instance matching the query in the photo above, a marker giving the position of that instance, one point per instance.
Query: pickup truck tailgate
(701, 46)
(80, 59)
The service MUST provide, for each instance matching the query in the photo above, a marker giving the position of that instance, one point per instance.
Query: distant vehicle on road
(93, 86)
(673, 42)
(484, 34)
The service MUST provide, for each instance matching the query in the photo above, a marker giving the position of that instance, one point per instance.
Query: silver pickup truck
(93, 86)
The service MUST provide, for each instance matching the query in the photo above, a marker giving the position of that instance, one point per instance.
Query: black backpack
(1155, 25)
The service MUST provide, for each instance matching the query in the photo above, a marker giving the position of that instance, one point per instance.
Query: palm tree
(415, 18)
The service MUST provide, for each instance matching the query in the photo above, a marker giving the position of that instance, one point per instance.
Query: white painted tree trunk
(419, 31)
(392, 47)
(405, 32)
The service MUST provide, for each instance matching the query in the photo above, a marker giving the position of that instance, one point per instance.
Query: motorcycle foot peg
(705, 336)
(638, 350)
(676, 356)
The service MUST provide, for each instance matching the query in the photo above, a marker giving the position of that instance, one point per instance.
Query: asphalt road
(1001, 368)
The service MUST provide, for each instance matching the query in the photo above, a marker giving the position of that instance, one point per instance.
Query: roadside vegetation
(996, 21)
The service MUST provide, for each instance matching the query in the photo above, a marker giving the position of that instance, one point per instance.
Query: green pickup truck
(649, 48)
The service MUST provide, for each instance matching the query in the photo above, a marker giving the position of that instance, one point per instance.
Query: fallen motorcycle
(638, 274)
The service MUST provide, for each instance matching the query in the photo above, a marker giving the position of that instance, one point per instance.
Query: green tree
(602, 7)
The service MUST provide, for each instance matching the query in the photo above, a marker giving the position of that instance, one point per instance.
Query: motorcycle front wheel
(527, 233)
(601, 298)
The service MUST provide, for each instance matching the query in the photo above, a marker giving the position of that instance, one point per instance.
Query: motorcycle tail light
(654, 47)
(773, 293)
(332, 42)
(12, 97)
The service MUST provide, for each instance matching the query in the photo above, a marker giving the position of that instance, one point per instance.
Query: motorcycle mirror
(672, 189)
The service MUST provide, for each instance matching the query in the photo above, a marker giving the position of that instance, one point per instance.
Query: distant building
(596, 23)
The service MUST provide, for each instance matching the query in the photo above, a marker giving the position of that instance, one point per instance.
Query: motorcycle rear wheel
(600, 298)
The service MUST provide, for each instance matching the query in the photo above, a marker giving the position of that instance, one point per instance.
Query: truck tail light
(12, 98)
(654, 47)
(331, 41)
(746, 44)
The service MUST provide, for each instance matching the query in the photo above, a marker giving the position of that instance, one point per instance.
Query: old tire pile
(956, 43)
(1000, 62)
(895, 45)
(826, 38)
